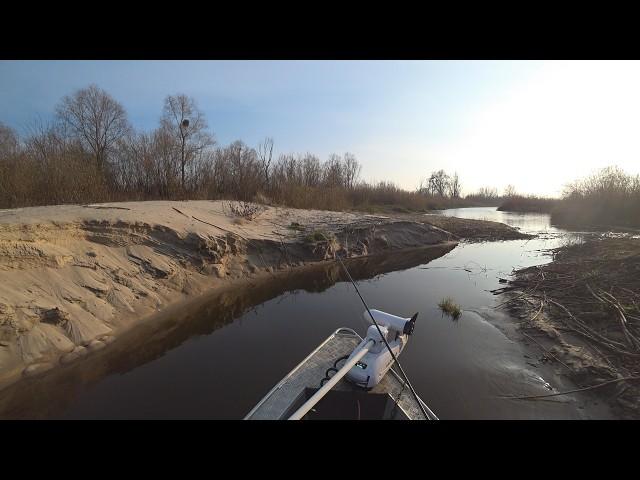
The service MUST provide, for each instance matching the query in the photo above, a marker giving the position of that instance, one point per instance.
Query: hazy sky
(536, 125)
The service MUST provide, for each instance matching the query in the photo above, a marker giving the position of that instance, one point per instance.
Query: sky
(536, 125)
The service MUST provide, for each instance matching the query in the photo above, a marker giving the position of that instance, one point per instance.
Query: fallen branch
(100, 207)
(181, 212)
(548, 352)
(220, 228)
(592, 387)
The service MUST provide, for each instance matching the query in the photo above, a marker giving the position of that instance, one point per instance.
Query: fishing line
(424, 412)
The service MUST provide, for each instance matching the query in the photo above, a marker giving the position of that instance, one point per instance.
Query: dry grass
(318, 236)
(295, 226)
(590, 290)
(245, 210)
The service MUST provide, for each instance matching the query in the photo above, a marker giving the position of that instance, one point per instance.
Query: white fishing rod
(309, 404)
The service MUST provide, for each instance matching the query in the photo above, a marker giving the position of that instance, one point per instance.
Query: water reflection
(219, 358)
(51, 394)
(536, 223)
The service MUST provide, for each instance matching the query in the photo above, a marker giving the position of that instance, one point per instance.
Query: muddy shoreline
(581, 311)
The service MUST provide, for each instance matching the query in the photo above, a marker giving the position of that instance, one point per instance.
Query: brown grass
(591, 291)
(608, 198)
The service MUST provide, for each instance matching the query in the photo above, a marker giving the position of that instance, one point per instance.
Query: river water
(218, 360)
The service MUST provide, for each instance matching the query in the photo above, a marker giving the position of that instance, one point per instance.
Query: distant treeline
(527, 204)
(610, 197)
(91, 153)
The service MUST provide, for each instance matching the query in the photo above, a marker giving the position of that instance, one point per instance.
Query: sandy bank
(49, 395)
(467, 229)
(73, 277)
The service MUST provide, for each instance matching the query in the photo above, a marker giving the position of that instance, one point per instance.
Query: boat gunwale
(351, 332)
(418, 396)
(288, 375)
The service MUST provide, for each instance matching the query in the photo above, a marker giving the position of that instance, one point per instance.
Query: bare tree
(265, 154)
(112, 162)
(487, 192)
(422, 186)
(439, 183)
(182, 119)
(510, 191)
(333, 171)
(9, 144)
(455, 189)
(94, 117)
(311, 170)
(8, 141)
(135, 168)
(351, 170)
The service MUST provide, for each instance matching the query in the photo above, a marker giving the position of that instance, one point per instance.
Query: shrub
(609, 197)
(245, 210)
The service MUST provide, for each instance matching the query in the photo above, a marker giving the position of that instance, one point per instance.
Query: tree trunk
(182, 164)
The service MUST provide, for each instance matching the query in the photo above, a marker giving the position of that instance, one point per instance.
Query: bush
(245, 210)
(610, 197)
(531, 203)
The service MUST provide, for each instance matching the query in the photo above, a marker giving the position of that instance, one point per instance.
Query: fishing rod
(406, 378)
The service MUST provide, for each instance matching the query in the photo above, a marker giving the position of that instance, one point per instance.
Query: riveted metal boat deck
(311, 371)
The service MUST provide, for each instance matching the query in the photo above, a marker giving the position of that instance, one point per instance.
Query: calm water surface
(219, 360)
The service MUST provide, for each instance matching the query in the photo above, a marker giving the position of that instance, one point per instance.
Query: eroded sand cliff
(72, 277)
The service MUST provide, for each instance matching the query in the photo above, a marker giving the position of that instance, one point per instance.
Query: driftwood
(181, 212)
(101, 207)
(584, 389)
(548, 352)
